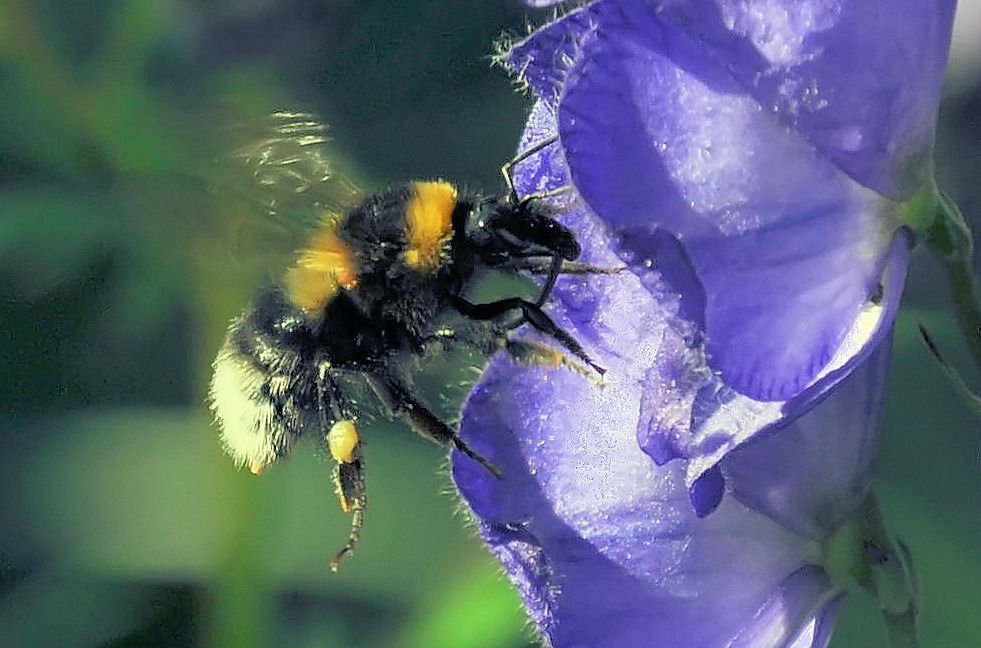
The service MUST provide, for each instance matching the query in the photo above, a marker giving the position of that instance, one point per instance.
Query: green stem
(890, 578)
(860, 553)
(950, 236)
(901, 631)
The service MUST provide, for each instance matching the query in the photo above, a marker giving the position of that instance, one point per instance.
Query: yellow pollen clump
(342, 440)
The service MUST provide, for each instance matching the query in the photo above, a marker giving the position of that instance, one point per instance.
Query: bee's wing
(276, 179)
(286, 169)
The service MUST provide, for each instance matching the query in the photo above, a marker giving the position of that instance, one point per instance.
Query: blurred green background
(122, 522)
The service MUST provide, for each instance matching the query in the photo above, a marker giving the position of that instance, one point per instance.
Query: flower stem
(890, 577)
(860, 553)
(950, 237)
(902, 631)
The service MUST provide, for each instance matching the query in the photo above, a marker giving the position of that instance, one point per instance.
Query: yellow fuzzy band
(325, 267)
(429, 224)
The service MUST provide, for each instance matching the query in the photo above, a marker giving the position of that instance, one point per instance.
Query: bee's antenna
(508, 167)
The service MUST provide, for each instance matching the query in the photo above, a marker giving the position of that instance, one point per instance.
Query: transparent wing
(275, 181)
(283, 166)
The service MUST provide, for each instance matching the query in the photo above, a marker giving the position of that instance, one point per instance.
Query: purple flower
(740, 159)
(751, 163)
(541, 3)
(603, 544)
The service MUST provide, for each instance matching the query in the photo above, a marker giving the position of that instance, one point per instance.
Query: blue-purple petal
(788, 249)
(721, 420)
(797, 62)
(707, 490)
(817, 633)
(541, 3)
(860, 79)
(839, 439)
(544, 59)
(601, 543)
(686, 409)
(785, 620)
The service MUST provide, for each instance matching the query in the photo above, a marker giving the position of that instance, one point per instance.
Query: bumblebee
(377, 287)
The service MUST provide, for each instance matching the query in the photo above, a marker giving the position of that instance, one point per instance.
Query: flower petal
(788, 248)
(720, 420)
(817, 633)
(581, 511)
(602, 543)
(543, 59)
(796, 60)
(800, 62)
(840, 439)
(788, 618)
(686, 409)
(541, 3)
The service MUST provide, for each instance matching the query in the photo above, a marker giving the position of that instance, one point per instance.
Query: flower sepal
(935, 218)
(861, 555)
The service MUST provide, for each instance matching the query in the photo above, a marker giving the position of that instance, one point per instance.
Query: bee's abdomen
(263, 391)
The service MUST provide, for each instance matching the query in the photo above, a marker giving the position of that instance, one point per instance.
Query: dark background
(122, 522)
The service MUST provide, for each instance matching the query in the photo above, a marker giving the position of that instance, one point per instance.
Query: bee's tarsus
(350, 487)
(357, 522)
(531, 352)
(462, 446)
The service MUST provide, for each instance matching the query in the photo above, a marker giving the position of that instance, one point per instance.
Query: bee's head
(498, 230)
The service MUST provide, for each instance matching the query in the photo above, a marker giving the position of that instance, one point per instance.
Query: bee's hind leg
(344, 444)
(349, 482)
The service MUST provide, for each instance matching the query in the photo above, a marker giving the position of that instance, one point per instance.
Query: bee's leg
(349, 482)
(542, 265)
(532, 314)
(558, 266)
(344, 444)
(555, 267)
(400, 401)
(534, 353)
(508, 167)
